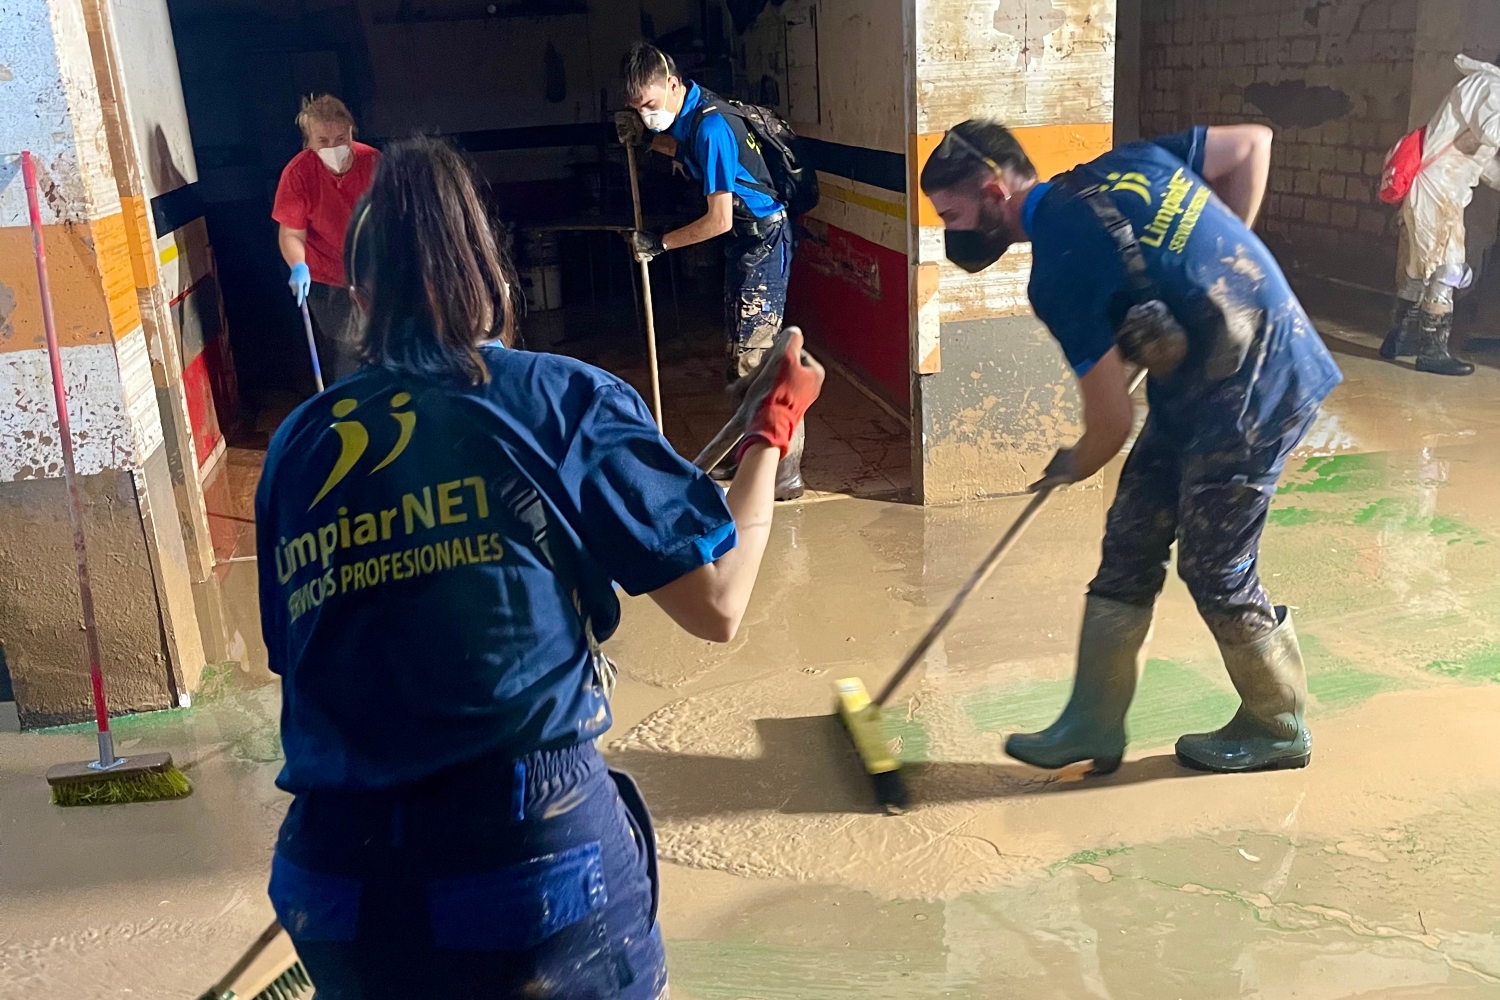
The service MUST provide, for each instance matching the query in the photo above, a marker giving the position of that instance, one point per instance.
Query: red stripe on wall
(851, 294)
(197, 386)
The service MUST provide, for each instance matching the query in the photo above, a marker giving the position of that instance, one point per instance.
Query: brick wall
(1332, 78)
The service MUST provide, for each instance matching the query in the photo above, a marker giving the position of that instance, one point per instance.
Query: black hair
(643, 66)
(970, 149)
(421, 250)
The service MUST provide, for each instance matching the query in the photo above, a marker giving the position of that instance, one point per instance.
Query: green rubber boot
(1267, 732)
(1111, 653)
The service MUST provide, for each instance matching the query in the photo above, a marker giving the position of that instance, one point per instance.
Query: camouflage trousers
(1213, 505)
(756, 272)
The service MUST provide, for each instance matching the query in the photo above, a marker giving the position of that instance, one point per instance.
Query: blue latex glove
(300, 282)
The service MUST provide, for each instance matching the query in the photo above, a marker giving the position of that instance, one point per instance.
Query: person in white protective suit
(1458, 152)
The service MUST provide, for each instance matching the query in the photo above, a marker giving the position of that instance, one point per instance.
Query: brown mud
(1370, 874)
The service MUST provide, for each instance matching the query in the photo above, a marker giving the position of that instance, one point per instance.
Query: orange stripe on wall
(78, 300)
(1052, 148)
(112, 247)
(138, 233)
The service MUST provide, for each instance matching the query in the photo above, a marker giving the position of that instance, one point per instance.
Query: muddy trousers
(530, 878)
(757, 269)
(1214, 507)
(335, 329)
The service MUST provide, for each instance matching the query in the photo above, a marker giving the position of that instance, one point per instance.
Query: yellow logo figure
(355, 439)
(1136, 183)
(406, 421)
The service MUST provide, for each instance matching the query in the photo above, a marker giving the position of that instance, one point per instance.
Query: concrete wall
(54, 103)
(994, 396)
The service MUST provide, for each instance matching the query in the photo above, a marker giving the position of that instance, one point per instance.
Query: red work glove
(791, 387)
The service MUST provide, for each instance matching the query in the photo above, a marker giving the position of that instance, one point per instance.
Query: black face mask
(974, 249)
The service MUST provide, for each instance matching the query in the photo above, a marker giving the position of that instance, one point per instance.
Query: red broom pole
(107, 758)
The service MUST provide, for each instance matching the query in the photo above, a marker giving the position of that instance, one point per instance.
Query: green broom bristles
(149, 786)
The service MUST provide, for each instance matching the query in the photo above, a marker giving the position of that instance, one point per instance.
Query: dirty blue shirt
(406, 602)
(714, 157)
(1210, 269)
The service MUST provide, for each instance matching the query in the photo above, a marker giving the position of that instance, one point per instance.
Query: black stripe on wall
(875, 167)
(175, 209)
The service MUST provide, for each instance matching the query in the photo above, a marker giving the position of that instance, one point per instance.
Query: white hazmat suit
(1458, 150)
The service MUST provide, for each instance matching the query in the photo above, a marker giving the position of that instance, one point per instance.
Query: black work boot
(1432, 349)
(789, 485)
(1267, 732)
(1403, 331)
(1111, 653)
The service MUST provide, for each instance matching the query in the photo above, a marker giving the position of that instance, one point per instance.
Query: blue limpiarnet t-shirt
(406, 598)
(1210, 269)
(714, 156)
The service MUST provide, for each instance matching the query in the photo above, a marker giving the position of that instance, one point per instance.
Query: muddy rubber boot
(1111, 652)
(1267, 732)
(1432, 354)
(1403, 331)
(789, 485)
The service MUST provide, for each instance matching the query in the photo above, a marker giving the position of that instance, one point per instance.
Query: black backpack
(769, 150)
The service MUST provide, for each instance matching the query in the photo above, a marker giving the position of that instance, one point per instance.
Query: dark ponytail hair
(422, 254)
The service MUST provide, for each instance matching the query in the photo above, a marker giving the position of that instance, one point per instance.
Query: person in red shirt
(314, 200)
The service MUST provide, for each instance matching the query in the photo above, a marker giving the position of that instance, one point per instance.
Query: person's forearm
(697, 231)
(751, 498)
(293, 243)
(710, 601)
(1095, 449)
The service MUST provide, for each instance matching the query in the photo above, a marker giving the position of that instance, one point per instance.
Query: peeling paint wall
(995, 398)
(53, 103)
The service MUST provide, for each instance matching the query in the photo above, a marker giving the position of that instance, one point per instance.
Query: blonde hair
(322, 108)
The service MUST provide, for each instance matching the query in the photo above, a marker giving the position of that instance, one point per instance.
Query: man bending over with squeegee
(1144, 256)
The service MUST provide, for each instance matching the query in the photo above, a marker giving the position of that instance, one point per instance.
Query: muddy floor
(1371, 874)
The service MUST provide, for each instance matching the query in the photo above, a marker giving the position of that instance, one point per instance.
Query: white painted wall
(158, 117)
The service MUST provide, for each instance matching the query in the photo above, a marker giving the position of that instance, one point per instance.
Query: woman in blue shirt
(439, 537)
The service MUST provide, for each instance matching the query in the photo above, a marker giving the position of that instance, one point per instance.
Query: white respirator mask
(659, 120)
(336, 158)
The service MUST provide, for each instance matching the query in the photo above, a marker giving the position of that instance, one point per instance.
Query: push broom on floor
(143, 777)
(861, 714)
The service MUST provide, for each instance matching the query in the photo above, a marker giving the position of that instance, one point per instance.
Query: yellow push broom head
(861, 717)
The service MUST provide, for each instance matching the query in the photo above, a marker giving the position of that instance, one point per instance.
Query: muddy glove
(1059, 472)
(790, 382)
(644, 246)
(629, 127)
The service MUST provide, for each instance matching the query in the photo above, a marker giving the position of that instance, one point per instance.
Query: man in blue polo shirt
(717, 151)
(1146, 254)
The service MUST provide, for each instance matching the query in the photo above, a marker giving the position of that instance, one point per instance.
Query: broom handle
(312, 346)
(635, 201)
(75, 513)
(976, 580)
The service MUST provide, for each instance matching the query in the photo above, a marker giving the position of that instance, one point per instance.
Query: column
(992, 396)
(50, 104)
